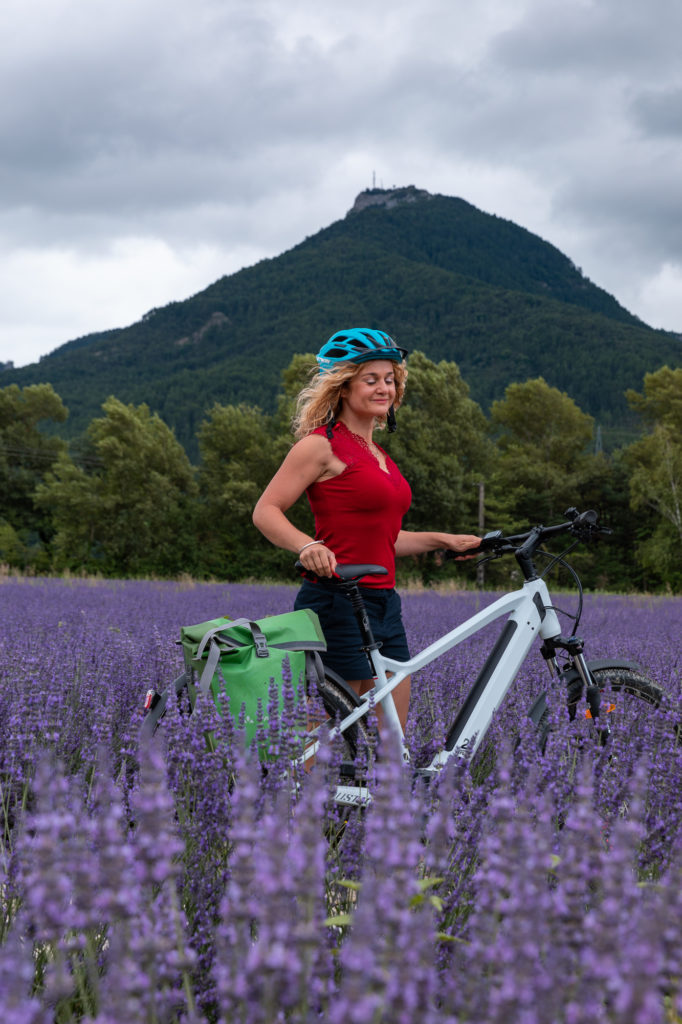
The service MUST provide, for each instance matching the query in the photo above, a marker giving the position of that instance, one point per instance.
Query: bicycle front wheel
(630, 706)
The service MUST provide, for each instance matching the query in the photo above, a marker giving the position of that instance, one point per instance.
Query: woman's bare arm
(411, 542)
(309, 460)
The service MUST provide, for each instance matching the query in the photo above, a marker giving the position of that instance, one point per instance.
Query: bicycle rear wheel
(358, 744)
(339, 701)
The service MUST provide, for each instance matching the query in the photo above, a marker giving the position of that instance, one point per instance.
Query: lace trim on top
(362, 444)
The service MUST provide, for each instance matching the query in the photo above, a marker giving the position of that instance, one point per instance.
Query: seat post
(369, 644)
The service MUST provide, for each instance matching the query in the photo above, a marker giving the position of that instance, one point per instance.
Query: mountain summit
(388, 198)
(435, 272)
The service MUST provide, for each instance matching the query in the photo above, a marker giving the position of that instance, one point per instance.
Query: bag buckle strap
(210, 640)
(260, 641)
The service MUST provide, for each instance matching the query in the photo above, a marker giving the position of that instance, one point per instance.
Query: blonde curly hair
(321, 399)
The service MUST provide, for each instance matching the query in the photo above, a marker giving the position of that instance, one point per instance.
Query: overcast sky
(147, 147)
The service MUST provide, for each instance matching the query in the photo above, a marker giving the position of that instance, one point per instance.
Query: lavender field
(168, 883)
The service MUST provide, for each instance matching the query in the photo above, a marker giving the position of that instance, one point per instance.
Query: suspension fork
(575, 647)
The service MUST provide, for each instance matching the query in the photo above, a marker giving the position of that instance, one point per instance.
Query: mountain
(435, 272)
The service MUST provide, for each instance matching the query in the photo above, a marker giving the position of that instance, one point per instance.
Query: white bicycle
(605, 692)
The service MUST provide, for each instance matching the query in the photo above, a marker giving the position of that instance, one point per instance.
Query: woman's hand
(319, 559)
(463, 542)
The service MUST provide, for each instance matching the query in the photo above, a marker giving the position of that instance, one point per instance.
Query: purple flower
(186, 880)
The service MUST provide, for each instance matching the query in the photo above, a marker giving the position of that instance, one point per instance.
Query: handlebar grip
(487, 543)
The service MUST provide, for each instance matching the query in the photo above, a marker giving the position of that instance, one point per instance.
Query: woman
(358, 497)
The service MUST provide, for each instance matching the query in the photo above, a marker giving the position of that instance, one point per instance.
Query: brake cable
(560, 560)
(555, 560)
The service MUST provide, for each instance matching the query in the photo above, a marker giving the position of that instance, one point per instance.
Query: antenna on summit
(374, 179)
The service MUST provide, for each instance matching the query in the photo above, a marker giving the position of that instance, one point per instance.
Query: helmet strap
(331, 423)
(390, 421)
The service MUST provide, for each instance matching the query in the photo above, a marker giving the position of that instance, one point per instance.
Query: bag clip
(260, 642)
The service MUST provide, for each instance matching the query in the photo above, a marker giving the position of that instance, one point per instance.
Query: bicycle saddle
(345, 573)
(355, 572)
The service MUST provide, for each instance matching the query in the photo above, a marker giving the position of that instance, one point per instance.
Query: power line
(22, 452)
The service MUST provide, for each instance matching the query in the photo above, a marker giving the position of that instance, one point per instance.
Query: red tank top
(359, 513)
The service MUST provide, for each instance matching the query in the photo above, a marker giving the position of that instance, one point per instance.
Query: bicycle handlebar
(494, 544)
(582, 524)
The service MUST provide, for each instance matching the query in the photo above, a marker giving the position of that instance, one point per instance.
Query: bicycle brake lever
(587, 532)
(586, 527)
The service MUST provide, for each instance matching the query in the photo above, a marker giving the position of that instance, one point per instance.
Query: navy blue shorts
(344, 652)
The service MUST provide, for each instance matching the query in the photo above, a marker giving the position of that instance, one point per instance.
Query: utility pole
(481, 528)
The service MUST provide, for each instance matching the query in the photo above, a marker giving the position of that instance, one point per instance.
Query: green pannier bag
(241, 658)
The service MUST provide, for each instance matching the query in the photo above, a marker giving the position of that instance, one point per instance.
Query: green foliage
(26, 455)
(438, 274)
(662, 398)
(543, 437)
(655, 464)
(240, 452)
(442, 449)
(545, 465)
(612, 564)
(656, 483)
(126, 500)
(455, 236)
(133, 511)
(12, 551)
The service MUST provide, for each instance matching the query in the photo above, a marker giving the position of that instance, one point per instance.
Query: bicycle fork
(574, 647)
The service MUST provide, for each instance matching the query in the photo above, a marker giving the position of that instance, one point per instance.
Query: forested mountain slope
(436, 273)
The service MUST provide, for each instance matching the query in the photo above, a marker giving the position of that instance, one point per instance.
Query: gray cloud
(241, 126)
(600, 38)
(658, 114)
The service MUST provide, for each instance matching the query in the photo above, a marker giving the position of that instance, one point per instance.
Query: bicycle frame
(530, 615)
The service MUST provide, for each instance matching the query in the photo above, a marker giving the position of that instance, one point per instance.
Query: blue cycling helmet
(358, 345)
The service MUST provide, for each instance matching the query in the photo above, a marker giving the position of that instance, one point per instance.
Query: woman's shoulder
(313, 447)
(316, 439)
(320, 431)
(318, 453)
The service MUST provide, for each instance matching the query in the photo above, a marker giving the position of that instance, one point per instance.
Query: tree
(655, 464)
(240, 451)
(294, 377)
(442, 448)
(662, 398)
(26, 455)
(544, 463)
(132, 511)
